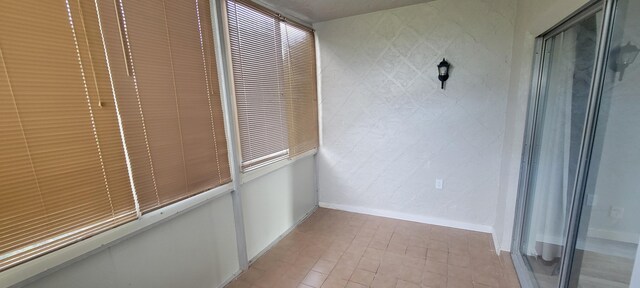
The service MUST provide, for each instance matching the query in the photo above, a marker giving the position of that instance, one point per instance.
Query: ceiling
(312, 11)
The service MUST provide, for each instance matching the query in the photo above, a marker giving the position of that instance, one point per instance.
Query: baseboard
(614, 235)
(416, 218)
(230, 279)
(496, 244)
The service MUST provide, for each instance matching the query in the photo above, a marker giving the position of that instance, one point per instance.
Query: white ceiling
(312, 11)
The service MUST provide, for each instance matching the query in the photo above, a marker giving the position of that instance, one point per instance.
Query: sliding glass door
(568, 63)
(579, 197)
(608, 223)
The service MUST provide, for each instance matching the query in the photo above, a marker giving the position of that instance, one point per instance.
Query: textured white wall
(195, 249)
(388, 129)
(274, 203)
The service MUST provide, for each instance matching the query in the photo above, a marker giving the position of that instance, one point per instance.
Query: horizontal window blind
(273, 63)
(254, 38)
(174, 126)
(62, 165)
(300, 89)
(87, 87)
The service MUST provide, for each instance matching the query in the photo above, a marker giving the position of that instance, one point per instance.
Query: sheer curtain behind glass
(552, 192)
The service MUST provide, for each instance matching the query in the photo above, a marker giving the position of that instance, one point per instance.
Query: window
(108, 110)
(61, 160)
(274, 77)
(171, 109)
(300, 91)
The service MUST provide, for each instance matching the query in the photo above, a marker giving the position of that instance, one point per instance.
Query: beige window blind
(254, 38)
(74, 75)
(300, 90)
(274, 84)
(62, 165)
(171, 104)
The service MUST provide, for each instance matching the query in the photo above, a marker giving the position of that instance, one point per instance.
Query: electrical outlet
(439, 184)
(616, 212)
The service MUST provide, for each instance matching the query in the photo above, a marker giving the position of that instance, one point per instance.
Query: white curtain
(552, 180)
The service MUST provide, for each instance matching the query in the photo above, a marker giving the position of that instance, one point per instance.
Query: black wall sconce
(443, 72)
(623, 56)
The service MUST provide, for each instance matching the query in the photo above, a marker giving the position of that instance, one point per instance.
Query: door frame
(539, 83)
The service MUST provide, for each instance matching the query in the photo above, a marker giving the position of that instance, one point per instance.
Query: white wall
(388, 129)
(196, 249)
(274, 203)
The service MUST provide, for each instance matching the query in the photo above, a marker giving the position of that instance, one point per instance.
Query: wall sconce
(443, 72)
(623, 56)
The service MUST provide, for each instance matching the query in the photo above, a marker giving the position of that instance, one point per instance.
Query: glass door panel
(609, 229)
(568, 64)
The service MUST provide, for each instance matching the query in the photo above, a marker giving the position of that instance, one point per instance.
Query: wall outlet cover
(616, 212)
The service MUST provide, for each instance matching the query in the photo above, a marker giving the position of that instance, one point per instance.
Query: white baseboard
(416, 218)
(619, 236)
(230, 279)
(496, 243)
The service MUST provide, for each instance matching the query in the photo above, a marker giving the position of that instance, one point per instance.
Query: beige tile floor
(341, 249)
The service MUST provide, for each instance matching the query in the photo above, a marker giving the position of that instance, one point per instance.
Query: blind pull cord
(121, 27)
(289, 99)
(24, 136)
(86, 40)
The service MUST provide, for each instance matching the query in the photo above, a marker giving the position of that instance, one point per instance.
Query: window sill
(49, 263)
(259, 172)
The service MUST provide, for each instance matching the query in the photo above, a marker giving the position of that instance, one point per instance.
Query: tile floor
(341, 249)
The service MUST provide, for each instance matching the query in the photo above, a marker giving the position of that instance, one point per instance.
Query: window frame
(253, 172)
(54, 259)
(49, 263)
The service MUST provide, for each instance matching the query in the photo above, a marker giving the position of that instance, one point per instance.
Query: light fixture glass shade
(442, 70)
(623, 56)
(628, 54)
